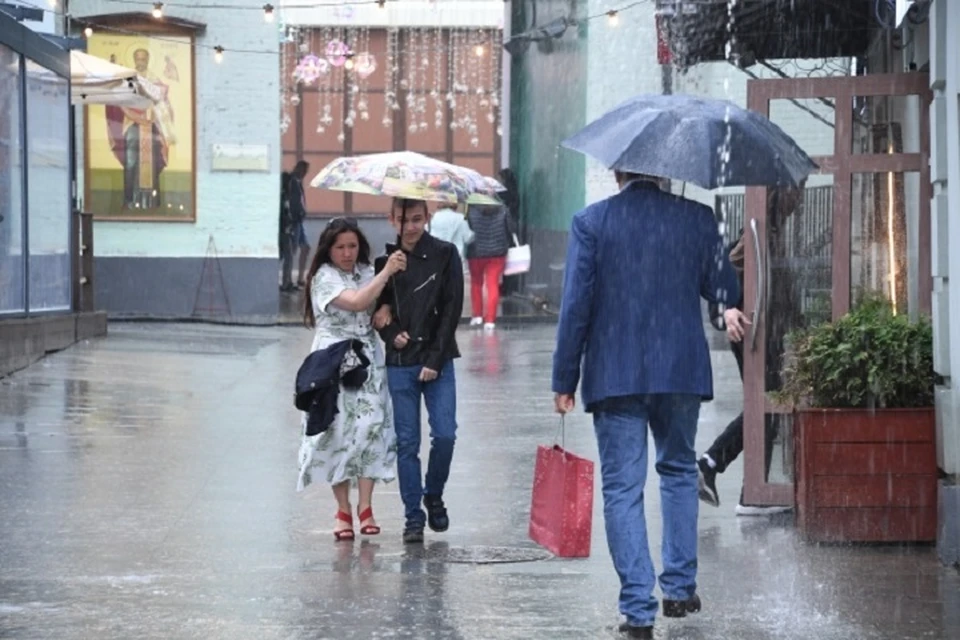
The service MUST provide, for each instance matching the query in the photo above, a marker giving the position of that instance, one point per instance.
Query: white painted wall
(945, 209)
(237, 103)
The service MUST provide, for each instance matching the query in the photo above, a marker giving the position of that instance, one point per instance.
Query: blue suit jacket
(637, 265)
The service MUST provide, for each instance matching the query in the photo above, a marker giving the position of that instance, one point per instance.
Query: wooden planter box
(866, 476)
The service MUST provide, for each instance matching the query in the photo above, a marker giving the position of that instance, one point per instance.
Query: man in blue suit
(638, 264)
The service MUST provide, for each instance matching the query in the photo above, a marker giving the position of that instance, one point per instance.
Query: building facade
(185, 194)
(418, 76)
(944, 51)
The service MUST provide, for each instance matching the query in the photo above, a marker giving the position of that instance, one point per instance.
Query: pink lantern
(310, 68)
(337, 52)
(365, 64)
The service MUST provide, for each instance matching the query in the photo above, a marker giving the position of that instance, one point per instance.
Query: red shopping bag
(561, 510)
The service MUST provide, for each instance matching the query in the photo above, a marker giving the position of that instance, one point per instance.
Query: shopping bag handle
(561, 435)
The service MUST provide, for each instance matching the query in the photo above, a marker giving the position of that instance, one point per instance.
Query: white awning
(94, 80)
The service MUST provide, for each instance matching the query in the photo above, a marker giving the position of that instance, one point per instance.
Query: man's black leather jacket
(426, 301)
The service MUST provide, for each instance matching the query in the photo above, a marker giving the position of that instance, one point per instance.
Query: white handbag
(518, 258)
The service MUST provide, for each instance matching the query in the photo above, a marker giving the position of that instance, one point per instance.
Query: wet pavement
(147, 491)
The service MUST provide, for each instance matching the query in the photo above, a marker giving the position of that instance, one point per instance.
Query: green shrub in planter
(870, 358)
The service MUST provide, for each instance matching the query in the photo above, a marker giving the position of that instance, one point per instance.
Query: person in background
(451, 226)
(298, 213)
(728, 446)
(511, 198)
(487, 257)
(285, 237)
(637, 266)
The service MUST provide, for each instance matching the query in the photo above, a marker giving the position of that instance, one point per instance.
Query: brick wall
(237, 101)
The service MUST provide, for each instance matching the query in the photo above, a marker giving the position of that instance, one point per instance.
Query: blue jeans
(440, 396)
(621, 427)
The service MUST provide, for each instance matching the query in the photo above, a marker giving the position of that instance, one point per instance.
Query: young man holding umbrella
(425, 304)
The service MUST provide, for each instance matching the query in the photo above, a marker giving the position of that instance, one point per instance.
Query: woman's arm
(362, 299)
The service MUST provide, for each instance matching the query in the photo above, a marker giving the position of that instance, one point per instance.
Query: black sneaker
(707, 483)
(436, 513)
(630, 631)
(413, 534)
(680, 608)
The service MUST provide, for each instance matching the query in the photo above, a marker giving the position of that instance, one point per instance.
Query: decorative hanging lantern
(310, 68)
(365, 64)
(337, 53)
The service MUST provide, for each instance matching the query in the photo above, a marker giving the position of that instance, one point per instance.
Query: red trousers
(485, 271)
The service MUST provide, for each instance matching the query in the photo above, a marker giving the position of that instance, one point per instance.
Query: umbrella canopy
(405, 174)
(94, 80)
(710, 143)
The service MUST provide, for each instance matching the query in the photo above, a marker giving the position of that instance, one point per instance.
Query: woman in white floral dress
(360, 446)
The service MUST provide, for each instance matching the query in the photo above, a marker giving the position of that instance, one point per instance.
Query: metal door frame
(843, 164)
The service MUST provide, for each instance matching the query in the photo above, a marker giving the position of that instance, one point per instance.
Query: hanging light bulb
(88, 32)
(613, 18)
(268, 12)
(218, 54)
(382, 4)
(157, 10)
(348, 65)
(479, 50)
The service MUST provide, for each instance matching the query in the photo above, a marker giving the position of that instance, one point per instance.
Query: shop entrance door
(861, 224)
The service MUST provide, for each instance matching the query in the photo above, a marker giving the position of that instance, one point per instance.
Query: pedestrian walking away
(631, 337)
(359, 447)
(487, 257)
(418, 317)
(451, 226)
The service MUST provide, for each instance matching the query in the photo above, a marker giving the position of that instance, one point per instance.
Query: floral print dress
(361, 442)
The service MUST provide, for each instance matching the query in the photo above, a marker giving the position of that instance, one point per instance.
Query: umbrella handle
(758, 303)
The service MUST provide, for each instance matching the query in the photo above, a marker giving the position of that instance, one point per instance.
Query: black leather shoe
(436, 513)
(413, 534)
(707, 483)
(630, 631)
(680, 608)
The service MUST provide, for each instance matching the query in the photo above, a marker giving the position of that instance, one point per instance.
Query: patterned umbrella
(405, 174)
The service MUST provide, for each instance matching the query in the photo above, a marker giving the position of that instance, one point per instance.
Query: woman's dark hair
(334, 229)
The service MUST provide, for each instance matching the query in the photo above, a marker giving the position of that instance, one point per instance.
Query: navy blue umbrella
(710, 143)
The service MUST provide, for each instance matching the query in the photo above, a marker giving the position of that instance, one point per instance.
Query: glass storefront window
(11, 185)
(48, 166)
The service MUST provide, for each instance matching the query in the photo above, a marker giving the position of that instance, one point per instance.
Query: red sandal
(344, 535)
(370, 529)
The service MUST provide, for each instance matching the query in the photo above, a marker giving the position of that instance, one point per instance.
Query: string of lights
(613, 17)
(267, 8)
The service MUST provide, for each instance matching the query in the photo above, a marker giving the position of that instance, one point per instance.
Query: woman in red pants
(487, 257)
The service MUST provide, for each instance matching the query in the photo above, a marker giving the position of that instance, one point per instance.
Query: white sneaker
(748, 510)
(489, 326)
(476, 322)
